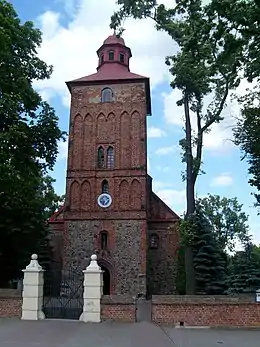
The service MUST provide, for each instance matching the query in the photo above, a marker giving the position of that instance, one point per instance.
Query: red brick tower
(107, 170)
(109, 201)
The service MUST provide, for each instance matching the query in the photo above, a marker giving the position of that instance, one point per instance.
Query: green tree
(29, 136)
(244, 271)
(207, 63)
(245, 16)
(227, 220)
(180, 274)
(247, 134)
(210, 260)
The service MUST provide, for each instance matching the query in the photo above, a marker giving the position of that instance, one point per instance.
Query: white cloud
(220, 137)
(63, 150)
(163, 169)
(175, 199)
(222, 180)
(153, 132)
(166, 150)
(71, 49)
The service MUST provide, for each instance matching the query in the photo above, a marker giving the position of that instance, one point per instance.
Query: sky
(72, 31)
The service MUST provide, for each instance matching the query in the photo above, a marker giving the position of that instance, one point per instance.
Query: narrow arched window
(111, 55)
(121, 57)
(101, 158)
(154, 241)
(110, 158)
(102, 59)
(104, 186)
(107, 95)
(103, 240)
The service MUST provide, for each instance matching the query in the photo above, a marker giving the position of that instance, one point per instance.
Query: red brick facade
(121, 309)
(136, 213)
(206, 311)
(10, 303)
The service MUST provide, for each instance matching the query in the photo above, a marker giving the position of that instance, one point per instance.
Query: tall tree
(245, 16)
(226, 218)
(29, 136)
(207, 63)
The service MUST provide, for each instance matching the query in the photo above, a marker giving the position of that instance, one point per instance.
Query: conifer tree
(244, 271)
(209, 259)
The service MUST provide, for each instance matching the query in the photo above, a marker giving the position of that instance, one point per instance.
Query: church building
(110, 208)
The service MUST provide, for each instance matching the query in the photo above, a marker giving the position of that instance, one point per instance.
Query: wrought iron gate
(63, 294)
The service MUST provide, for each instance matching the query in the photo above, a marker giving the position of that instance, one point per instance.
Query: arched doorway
(106, 280)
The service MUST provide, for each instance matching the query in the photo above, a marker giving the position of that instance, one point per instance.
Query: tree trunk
(190, 198)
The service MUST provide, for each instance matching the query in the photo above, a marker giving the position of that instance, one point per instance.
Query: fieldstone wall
(162, 262)
(124, 257)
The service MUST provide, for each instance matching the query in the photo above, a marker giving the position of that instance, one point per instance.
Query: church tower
(106, 190)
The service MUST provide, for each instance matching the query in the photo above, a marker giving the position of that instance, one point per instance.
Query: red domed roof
(112, 70)
(114, 39)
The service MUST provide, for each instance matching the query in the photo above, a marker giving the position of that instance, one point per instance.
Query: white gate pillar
(33, 291)
(93, 291)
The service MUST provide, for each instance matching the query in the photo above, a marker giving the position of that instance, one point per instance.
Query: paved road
(16, 333)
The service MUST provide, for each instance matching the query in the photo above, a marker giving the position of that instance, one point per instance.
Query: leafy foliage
(244, 15)
(227, 220)
(208, 62)
(29, 136)
(247, 134)
(180, 275)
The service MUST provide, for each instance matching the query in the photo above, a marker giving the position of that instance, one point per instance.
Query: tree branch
(219, 110)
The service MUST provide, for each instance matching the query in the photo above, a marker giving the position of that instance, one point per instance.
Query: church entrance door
(63, 294)
(106, 280)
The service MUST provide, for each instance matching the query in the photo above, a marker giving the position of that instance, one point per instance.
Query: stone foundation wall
(162, 262)
(124, 257)
(215, 311)
(118, 308)
(10, 303)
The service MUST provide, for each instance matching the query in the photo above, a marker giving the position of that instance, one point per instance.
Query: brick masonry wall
(206, 311)
(10, 303)
(118, 308)
(120, 124)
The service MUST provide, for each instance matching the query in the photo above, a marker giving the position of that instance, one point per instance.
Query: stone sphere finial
(34, 265)
(93, 266)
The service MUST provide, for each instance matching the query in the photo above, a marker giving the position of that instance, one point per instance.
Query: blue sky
(72, 32)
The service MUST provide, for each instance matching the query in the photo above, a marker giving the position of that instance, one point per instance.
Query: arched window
(103, 240)
(110, 158)
(102, 59)
(104, 186)
(107, 95)
(121, 57)
(101, 158)
(111, 55)
(154, 241)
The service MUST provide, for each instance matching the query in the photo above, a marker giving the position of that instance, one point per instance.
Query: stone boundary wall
(212, 311)
(10, 303)
(118, 308)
